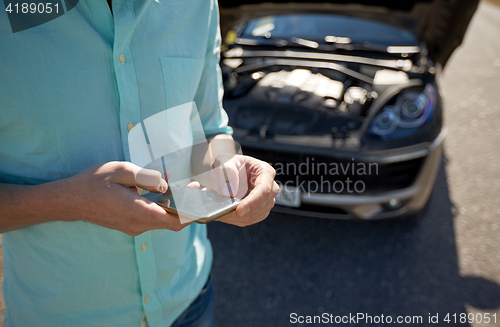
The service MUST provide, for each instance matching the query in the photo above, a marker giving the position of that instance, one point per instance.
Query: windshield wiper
(344, 43)
(341, 44)
(262, 40)
(305, 42)
(276, 41)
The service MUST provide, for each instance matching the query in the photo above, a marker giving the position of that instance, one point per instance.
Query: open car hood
(440, 24)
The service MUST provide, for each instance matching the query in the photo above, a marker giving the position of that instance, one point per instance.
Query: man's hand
(106, 195)
(247, 175)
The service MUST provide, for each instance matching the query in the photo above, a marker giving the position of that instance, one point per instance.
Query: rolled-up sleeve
(208, 97)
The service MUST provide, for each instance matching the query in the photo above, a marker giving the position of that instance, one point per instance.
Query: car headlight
(406, 116)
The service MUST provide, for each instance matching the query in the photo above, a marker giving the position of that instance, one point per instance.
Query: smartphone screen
(194, 204)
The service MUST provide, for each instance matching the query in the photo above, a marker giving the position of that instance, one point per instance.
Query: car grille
(331, 175)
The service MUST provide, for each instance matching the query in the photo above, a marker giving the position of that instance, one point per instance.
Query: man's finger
(150, 180)
(228, 179)
(128, 174)
(265, 188)
(194, 184)
(168, 221)
(156, 217)
(252, 206)
(251, 219)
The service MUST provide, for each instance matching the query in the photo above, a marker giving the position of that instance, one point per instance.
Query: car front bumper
(374, 207)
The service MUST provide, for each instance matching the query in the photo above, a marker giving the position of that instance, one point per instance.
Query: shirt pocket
(181, 78)
(172, 131)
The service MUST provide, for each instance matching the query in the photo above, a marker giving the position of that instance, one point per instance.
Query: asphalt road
(447, 263)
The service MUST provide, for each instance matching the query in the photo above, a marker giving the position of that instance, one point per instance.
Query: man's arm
(105, 195)
(22, 205)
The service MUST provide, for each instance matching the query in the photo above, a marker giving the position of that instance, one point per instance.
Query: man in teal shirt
(80, 246)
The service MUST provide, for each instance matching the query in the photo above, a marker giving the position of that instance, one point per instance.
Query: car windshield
(318, 26)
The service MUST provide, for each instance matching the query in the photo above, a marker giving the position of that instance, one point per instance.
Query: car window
(317, 26)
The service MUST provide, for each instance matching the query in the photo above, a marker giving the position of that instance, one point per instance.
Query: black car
(341, 98)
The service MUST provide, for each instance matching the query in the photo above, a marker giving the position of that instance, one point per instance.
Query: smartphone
(194, 204)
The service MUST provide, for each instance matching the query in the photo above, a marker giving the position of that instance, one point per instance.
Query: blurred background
(447, 262)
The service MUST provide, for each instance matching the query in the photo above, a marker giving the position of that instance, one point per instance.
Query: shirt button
(121, 58)
(146, 299)
(130, 126)
(144, 246)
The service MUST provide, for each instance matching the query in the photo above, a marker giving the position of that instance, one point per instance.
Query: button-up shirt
(71, 90)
